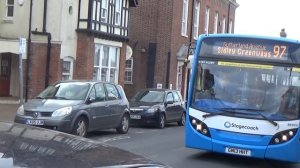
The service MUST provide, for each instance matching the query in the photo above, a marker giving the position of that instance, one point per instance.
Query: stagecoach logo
(227, 124)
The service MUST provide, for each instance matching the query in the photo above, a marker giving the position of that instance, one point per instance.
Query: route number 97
(279, 50)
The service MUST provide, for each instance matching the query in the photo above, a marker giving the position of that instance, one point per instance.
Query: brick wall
(122, 63)
(157, 21)
(84, 64)
(37, 67)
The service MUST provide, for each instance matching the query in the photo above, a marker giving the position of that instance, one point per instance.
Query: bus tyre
(124, 125)
(181, 122)
(80, 127)
(161, 122)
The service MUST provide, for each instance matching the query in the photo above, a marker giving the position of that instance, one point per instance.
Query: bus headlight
(283, 136)
(200, 126)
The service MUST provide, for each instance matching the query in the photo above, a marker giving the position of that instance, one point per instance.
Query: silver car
(78, 107)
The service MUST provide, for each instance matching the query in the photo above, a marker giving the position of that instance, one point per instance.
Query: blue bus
(243, 97)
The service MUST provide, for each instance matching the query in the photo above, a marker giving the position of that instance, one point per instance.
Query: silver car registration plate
(35, 122)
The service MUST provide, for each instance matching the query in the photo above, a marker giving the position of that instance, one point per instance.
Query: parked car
(78, 107)
(158, 107)
(27, 146)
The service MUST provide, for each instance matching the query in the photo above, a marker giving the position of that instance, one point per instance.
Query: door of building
(5, 75)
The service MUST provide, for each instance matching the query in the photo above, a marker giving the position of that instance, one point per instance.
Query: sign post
(22, 50)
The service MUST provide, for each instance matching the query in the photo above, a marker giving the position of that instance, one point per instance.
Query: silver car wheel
(124, 125)
(81, 129)
(161, 121)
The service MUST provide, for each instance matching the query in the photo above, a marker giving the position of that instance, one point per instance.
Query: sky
(268, 17)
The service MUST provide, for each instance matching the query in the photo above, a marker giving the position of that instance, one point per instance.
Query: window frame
(130, 70)
(224, 25)
(230, 27)
(70, 73)
(184, 19)
(104, 11)
(216, 22)
(118, 10)
(207, 17)
(112, 66)
(196, 19)
(7, 7)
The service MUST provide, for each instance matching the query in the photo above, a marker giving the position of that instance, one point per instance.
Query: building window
(67, 68)
(230, 27)
(196, 19)
(104, 11)
(129, 71)
(216, 21)
(207, 20)
(9, 8)
(224, 25)
(184, 17)
(179, 78)
(106, 63)
(118, 12)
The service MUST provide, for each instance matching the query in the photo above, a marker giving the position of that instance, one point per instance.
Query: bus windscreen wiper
(232, 110)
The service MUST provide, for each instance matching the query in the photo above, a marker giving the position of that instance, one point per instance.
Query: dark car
(158, 107)
(78, 107)
(27, 146)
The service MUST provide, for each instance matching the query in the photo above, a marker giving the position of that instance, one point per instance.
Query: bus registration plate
(236, 151)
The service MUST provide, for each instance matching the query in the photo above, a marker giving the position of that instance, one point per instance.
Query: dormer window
(118, 12)
(104, 11)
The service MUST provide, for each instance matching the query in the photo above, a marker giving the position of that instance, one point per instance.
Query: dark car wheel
(181, 122)
(124, 125)
(161, 121)
(80, 127)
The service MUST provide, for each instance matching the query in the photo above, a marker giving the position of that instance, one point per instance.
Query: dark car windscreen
(66, 91)
(150, 96)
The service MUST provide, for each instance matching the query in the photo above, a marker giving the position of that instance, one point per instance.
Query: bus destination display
(269, 51)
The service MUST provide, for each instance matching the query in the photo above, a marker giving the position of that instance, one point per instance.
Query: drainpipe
(48, 34)
(28, 53)
(229, 6)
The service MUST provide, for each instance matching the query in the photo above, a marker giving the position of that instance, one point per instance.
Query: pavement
(8, 111)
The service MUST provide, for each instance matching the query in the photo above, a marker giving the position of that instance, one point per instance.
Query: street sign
(22, 45)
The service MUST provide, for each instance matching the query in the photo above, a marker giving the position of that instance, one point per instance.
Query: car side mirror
(169, 102)
(91, 100)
